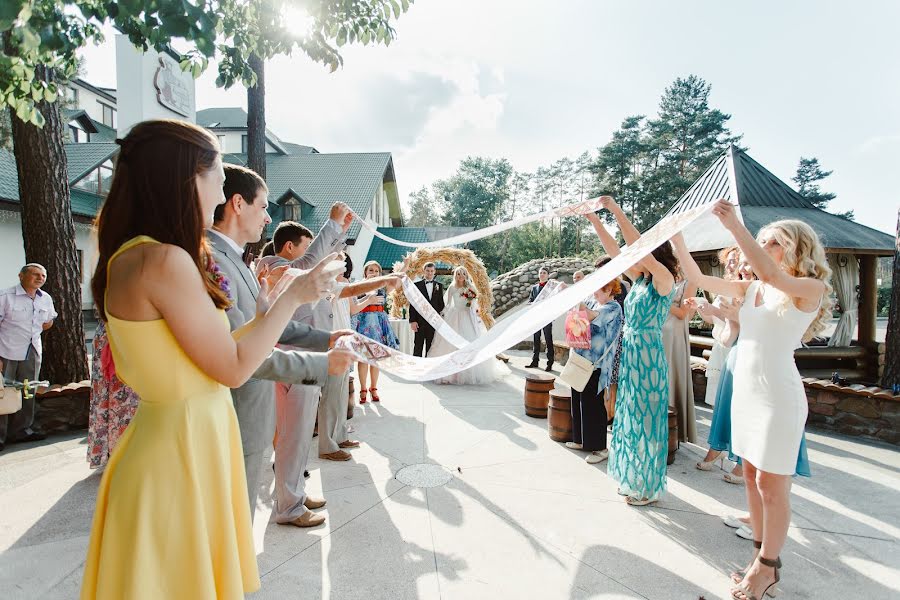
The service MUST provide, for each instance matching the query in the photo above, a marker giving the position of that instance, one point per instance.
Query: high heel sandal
(374, 392)
(738, 576)
(710, 465)
(734, 479)
(362, 396)
(770, 589)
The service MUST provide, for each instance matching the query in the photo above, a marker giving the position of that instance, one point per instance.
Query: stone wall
(856, 410)
(870, 412)
(511, 289)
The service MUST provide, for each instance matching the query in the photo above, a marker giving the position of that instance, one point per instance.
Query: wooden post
(868, 298)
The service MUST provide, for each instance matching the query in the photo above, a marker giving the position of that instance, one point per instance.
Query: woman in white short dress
(790, 303)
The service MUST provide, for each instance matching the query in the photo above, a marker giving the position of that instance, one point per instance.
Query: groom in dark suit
(434, 292)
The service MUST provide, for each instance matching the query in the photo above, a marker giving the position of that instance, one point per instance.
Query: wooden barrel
(673, 436)
(537, 395)
(559, 425)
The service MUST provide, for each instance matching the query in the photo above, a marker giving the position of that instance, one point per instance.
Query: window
(221, 142)
(109, 115)
(97, 181)
(89, 182)
(73, 133)
(70, 95)
(292, 211)
(243, 144)
(106, 175)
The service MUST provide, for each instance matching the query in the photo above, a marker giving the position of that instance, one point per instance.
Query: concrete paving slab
(521, 517)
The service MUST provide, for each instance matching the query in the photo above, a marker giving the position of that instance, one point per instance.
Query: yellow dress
(172, 519)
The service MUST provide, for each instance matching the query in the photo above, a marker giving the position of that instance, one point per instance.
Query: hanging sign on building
(171, 90)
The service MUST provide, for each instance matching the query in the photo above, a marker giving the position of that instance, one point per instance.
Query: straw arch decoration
(454, 256)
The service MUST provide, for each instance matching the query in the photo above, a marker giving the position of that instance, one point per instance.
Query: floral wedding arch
(414, 267)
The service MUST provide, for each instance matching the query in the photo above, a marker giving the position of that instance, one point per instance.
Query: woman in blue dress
(373, 323)
(640, 439)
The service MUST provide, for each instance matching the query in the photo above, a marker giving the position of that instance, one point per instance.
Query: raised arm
(609, 242)
(629, 232)
(663, 280)
(175, 288)
(716, 285)
(800, 288)
(367, 285)
(331, 238)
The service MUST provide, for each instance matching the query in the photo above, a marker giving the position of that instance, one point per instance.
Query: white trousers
(333, 413)
(295, 413)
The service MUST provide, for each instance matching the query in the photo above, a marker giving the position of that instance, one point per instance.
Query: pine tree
(424, 210)
(809, 171)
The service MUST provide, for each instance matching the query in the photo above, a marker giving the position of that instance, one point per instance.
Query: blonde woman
(463, 313)
(789, 303)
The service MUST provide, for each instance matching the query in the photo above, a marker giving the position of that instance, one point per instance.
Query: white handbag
(10, 400)
(578, 369)
(577, 372)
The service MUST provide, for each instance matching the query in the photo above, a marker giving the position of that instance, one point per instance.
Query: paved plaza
(519, 516)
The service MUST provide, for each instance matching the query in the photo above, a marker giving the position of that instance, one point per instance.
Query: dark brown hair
(289, 231)
(239, 180)
(154, 193)
(665, 254)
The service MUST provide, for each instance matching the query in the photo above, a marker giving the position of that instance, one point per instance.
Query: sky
(534, 82)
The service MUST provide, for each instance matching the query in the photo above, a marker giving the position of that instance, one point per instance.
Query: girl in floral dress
(372, 322)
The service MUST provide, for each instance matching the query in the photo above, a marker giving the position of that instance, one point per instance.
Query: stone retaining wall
(857, 410)
(512, 289)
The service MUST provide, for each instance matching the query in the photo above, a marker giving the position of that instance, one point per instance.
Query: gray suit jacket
(289, 367)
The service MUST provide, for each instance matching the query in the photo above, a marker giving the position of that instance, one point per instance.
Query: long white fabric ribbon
(426, 310)
(570, 210)
(512, 331)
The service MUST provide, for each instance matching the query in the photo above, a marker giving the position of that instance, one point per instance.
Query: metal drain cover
(424, 475)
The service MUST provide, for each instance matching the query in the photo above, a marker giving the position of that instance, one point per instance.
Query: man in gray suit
(237, 222)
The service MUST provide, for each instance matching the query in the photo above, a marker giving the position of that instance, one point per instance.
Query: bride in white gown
(462, 314)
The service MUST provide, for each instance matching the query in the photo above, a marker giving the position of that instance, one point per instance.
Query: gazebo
(852, 250)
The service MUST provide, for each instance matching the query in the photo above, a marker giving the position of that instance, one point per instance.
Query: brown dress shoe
(339, 455)
(312, 503)
(307, 519)
(349, 444)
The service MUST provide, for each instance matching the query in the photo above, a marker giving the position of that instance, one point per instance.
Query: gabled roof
(299, 148)
(99, 131)
(230, 117)
(83, 203)
(82, 158)
(761, 198)
(233, 117)
(387, 253)
(86, 122)
(106, 93)
(323, 179)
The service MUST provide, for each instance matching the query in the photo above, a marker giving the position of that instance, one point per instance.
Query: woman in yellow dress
(171, 519)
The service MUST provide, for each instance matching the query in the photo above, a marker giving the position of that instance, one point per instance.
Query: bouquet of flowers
(469, 294)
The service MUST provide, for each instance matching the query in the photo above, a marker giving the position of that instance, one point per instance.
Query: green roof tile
(322, 180)
(762, 198)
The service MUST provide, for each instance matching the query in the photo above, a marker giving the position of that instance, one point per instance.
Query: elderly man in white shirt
(25, 313)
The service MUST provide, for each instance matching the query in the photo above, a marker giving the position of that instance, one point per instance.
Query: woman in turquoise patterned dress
(640, 437)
